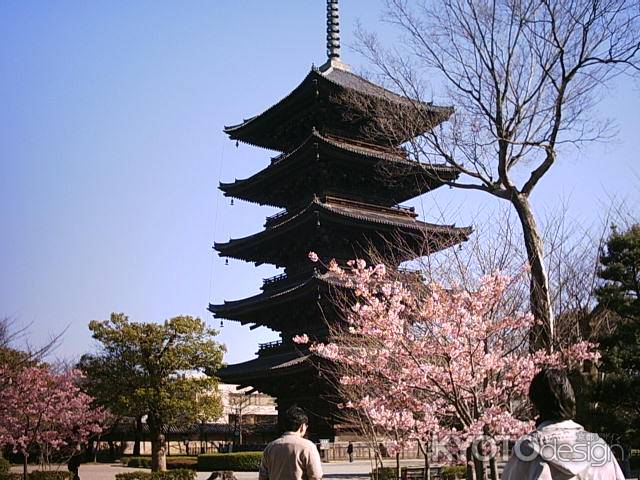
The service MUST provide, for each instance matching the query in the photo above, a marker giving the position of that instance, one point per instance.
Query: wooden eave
(258, 130)
(324, 152)
(265, 368)
(253, 310)
(336, 211)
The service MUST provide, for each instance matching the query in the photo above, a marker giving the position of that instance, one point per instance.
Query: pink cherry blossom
(301, 339)
(45, 409)
(313, 256)
(422, 359)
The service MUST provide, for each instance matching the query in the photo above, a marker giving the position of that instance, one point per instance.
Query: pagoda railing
(272, 280)
(408, 270)
(274, 218)
(415, 272)
(277, 158)
(404, 208)
(269, 347)
(283, 279)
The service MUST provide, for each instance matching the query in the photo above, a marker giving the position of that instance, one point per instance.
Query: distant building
(252, 406)
(249, 418)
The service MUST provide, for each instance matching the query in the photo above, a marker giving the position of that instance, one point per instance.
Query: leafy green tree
(157, 371)
(615, 394)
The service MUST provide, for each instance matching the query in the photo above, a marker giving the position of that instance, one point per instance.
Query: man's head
(552, 395)
(295, 420)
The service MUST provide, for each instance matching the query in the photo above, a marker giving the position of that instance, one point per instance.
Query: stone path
(358, 470)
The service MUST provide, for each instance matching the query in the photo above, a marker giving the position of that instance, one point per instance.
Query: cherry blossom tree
(43, 410)
(422, 360)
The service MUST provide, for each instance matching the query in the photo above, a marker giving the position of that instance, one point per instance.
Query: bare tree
(524, 76)
(15, 349)
(248, 410)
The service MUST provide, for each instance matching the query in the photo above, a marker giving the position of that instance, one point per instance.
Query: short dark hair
(294, 418)
(552, 395)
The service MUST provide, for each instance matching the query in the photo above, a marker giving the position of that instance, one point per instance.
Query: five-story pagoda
(336, 202)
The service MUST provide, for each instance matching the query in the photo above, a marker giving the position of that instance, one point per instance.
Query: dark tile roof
(275, 294)
(258, 367)
(337, 77)
(353, 155)
(359, 84)
(347, 209)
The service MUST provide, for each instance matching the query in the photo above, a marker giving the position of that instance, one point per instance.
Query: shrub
(10, 476)
(5, 465)
(169, 475)
(104, 456)
(454, 472)
(173, 463)
(182, 463)
(236, 462)
(50, 475)
(139, 462)
(133, 476)
(384, 473)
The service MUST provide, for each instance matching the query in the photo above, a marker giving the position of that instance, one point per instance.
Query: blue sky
(112, 147)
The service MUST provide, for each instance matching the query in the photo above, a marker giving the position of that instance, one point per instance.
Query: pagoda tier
(277, 365)
(287, 304)
(328, 100)
(342, 229)
(339, 167)
(292, 378)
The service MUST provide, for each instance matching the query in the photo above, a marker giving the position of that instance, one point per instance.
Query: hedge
(384, 473)
(185, 463)
(137, 462)
(173, 463)
(10, 476)
(236, 462)
(39, 475)
(168, 475)
(453, 472)
(5, 465)
(50, 475)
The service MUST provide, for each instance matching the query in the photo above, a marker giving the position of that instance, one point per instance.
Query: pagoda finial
(333, 30)
(333, 38)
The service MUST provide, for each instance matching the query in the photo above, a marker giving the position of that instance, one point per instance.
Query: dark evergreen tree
(615, 395)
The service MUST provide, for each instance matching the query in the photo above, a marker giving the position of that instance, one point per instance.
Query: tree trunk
(25, 466)
(427, 467)
(479, 469)
(137, 437)
(493, 468)
(398, 466)
(158, 453)
(540, 299)
(424, 448)
(471, 472)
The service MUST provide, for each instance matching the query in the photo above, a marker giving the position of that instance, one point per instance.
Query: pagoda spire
(333, 38)
(333, 30)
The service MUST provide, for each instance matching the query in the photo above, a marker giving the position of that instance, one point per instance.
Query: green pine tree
(155, 370)
(615, 395)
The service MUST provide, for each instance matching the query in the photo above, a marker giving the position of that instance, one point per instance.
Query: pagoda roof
(307, 105)
(253, 309)
(265, 368)
(359, 217)
(272, 185)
